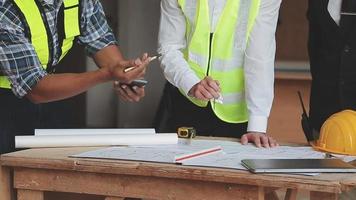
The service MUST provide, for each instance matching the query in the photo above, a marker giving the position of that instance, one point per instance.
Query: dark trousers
(176, 110)
(21, 117)
(18, 117)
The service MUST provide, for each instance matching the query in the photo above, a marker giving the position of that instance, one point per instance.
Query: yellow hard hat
(338, 134)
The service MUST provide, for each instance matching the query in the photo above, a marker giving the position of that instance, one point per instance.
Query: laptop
(297, 165)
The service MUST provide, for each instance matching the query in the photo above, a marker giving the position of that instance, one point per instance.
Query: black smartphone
(138, 83)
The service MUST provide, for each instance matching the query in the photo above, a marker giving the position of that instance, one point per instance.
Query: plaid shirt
(18, 59)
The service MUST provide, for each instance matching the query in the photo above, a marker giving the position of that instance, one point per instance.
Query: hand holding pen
(133, 90)
(137, 68)
(152, 58)
(206, 90)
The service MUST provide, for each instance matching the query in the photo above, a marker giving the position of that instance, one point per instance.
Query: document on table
(164, 153)
(230, 157)
(233, 154)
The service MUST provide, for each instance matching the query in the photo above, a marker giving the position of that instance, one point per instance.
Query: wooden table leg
(29, 194)
(323, 196)
(291, 194)
(271, 193)
(261, 193)
(6, 191)
(114, 198)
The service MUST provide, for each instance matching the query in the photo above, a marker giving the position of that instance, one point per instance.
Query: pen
(155, 57)
(151, 59)
(129, 69)
(205, 152)
(348, 13)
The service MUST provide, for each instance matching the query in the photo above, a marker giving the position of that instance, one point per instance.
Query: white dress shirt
(334, 8)
(259, 55)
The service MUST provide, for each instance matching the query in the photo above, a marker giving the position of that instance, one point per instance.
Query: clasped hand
(206, 89)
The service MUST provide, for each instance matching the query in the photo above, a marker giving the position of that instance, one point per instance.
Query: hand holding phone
(132, 92)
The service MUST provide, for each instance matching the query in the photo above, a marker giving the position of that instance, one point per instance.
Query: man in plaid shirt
(30, 84)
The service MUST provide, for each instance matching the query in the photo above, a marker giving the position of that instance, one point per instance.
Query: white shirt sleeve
(171, 40)
(259, 66)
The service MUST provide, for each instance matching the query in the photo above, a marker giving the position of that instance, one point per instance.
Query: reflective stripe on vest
(39, 37)
(227, 50)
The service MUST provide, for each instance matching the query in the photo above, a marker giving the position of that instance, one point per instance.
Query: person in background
(218, 57)
(34, 36)
(332, 53)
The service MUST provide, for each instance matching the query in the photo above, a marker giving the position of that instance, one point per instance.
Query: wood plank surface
(130, 186)
(57, 158)
(29, 195)
(114, 198)
(70, 196)
(53, 160)
(322, 196)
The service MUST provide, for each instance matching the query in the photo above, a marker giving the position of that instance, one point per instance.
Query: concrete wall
(138, 22)
(138, 30)
(101, 102)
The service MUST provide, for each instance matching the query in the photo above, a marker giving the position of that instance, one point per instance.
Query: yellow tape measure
(186, 132)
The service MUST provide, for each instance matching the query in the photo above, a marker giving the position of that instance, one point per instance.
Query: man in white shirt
(185, 88)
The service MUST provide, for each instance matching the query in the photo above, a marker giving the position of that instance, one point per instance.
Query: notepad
(297, 165)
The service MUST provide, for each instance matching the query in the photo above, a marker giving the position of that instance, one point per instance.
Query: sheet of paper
(230, 157)
(94, 140)
(162, 153)
(344, 157)
(114, 131)
(132, 153)
(234, 153)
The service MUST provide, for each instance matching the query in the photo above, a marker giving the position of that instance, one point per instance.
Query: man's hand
(206, 89)
(138, 69)
(131, 94)
(129, 71)
(259, 139)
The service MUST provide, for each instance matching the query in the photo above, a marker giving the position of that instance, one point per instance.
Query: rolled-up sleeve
(96, 33)
(18, 59)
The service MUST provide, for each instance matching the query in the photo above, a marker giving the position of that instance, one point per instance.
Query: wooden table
(39, 170)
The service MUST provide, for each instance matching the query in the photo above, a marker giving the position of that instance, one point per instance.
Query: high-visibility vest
(39, 34)
(220, 54)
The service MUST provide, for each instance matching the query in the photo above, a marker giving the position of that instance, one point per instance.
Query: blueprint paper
(131, 153)
(164, 153)
(230, 157)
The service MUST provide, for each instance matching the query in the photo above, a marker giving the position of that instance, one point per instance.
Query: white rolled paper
(45, 141)
(107, 131)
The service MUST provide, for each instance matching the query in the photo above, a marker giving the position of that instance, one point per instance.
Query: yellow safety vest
(220, 54)
(39, 30)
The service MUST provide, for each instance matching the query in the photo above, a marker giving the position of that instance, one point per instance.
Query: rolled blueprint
(114, 131)
(94, 140)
